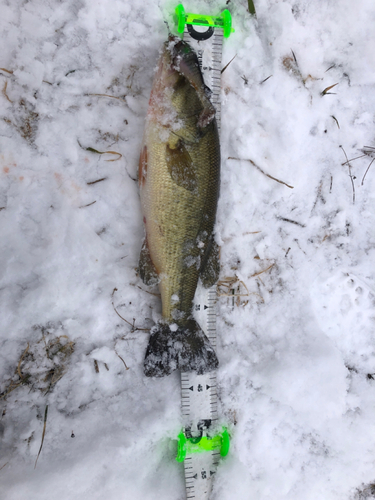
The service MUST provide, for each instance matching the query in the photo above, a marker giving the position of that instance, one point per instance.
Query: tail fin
(186, 349)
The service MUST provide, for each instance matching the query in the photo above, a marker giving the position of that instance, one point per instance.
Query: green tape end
(200, 444)
(224, 21)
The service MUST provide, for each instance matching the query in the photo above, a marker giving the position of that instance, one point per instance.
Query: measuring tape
(201, 443)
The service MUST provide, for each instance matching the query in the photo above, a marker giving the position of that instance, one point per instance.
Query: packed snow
(296, 343)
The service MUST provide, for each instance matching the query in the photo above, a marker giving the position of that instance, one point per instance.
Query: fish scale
(199, 392)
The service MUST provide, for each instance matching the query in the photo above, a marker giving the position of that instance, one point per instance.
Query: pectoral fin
(210, 268)
(146, 267)
(180, 166)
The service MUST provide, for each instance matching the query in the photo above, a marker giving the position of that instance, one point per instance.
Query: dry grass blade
(290, 63)
(2, 467)
(352, 159)
(264, 270)
(113, 153)
(51, 361)
(20, 361)
(44, 432)
(261, 170)
(13, 385)
(228, 283)
(92, 150)
(107, 95)
(151, 293)
(11, 388)
(252, 8)
(96, 366)
(350, 173)
(5, 92)
(368, 168)
(7, 71)
(225, 67)
(336, 121)
(333, 66)
(325, 91)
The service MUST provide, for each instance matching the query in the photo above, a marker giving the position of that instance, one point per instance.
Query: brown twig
(263, 81)
(151, 293)
(44, 432)
(126, 321)
(88, 205)
(291, 221)
(94, 182)
(260, 170)
(126, 367)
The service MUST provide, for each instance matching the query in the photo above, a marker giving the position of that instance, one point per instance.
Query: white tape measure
(198, 392)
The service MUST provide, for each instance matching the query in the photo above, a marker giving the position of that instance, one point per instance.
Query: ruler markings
(199, 392)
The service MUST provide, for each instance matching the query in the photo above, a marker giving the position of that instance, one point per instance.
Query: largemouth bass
(179, 176)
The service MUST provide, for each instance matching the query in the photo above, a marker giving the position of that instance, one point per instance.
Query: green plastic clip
(200, 444)
(224, 21)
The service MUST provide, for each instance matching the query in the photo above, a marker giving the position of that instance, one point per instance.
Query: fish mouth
(173, 38)
(176, 50)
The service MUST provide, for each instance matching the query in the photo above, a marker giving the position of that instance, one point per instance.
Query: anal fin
(210, 268)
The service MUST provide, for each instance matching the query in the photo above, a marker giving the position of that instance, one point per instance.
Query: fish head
(177, 74)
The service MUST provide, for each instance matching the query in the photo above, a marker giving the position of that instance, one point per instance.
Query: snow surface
(297, 356)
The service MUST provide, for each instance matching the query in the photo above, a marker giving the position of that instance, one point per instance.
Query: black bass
(179, 177)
